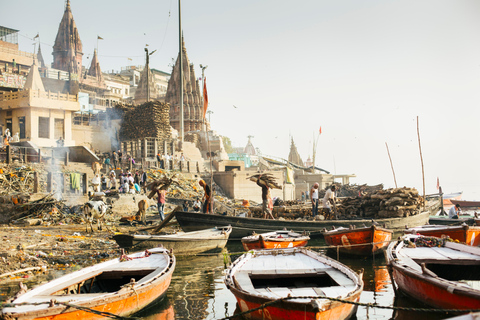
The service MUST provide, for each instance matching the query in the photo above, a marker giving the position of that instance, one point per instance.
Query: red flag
(320, 131)
(205, 97)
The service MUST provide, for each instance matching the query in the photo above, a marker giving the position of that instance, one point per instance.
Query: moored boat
(120, 286)
(275, 240)
(447, 198)
(264, 276)
(213, 239)
(359, 242)
(244, 226)
(466, 203)
(442, 274)
(446, 221)
(467, 234)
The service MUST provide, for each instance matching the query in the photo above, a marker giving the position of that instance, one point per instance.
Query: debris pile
(21, 179)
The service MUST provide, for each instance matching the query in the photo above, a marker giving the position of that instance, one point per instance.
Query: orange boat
(305, 277)
(467, 234)
(359, 242)
(275, 240)
(120, 286)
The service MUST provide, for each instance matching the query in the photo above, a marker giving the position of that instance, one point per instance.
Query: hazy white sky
(362, 69)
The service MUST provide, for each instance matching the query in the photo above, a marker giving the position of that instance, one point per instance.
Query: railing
(18, 52)
(38, 94)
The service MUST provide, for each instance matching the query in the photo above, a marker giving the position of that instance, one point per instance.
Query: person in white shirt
(314, 199)
(454, 212)
(197, 205)
(329, 199)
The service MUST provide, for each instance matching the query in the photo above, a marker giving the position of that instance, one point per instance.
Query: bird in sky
(234, 106)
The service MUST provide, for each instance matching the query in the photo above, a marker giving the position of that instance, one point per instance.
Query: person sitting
(185, 206)
(197, 205)
(454, 212)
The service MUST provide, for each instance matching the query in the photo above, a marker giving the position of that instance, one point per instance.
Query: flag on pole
(38, 35)
(320, 131)
(99, 38)
(205, 97)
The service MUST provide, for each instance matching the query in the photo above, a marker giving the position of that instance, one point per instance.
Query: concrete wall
(305, 181)
(236, 185)
(94, 137)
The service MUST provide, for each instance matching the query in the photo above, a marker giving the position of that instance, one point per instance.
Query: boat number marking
(473, 239)
(290, 245)
(346, 243)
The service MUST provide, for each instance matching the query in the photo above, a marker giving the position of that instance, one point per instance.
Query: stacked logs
(150, 119)
(389, 203)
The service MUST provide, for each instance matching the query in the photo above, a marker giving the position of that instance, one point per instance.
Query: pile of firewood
(151, 119)
(389, 203)
(352, 190)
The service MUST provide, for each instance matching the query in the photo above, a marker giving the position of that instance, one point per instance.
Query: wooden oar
(164, 222)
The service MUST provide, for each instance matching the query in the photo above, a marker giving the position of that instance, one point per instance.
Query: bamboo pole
(421, 159)
(391, 164)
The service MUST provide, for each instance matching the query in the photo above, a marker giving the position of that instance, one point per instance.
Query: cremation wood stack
(149, 120)
(389, 203)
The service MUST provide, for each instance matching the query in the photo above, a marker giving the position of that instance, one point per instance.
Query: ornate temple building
(67, 50)
(192, 99)
(147, 89)
(294, 156)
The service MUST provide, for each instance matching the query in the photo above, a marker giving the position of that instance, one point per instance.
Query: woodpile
(193, 138)
(151, 119)
(352, 190)
(389, 203)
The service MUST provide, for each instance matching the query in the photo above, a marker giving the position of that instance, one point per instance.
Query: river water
(197, 290)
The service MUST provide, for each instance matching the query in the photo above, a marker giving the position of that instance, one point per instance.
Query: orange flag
(205, 97)
(320, 131)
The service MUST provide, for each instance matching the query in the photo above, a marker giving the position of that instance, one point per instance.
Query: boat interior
(276, 276)
(106, 281)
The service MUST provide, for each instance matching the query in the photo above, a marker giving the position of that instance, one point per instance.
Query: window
(9, 124)
(43, 127)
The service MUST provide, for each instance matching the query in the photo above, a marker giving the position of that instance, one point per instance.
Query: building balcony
(39, 99)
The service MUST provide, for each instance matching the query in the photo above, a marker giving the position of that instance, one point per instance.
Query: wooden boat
(121, 286)
(477, 221)
(263, 276)
(447, 198)
(467, 234)
(275, 240)
(445, 277)
(466, 203)
(213, 239)
(359, 242)
(244, 226)
(446, 221)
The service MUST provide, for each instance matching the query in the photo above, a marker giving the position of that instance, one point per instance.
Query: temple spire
(67, 50)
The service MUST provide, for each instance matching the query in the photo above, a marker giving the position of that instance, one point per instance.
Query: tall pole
(181, 70)
(421, 159)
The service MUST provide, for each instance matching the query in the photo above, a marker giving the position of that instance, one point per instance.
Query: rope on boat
(362, 304)
(70, 305)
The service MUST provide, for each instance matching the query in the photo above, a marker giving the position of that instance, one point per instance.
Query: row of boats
(278, 278)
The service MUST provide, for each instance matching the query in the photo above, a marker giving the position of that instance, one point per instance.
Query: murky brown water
(197, 290)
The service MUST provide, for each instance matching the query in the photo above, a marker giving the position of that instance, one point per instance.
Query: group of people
(328, 200)
(164, 161)
(7, 137)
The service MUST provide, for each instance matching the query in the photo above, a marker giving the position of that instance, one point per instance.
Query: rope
(70, 305)
(362, 304)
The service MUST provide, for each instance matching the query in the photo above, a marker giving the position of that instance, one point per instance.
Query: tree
(227, 144)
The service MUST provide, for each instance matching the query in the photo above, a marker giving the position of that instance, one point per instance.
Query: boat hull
(287, 310)
(243, 226)
(451, 222)
(197, 242)
(430, 293)
(411, 272)
(467, 234)
(124, 302)
(466, 203)
(274, 240)
(359, 242)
